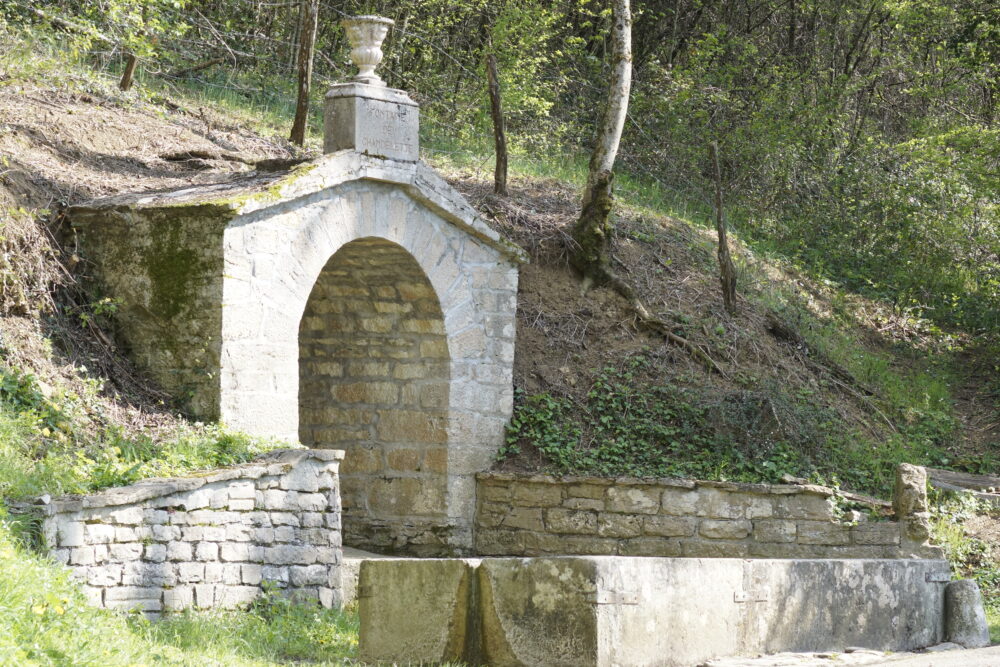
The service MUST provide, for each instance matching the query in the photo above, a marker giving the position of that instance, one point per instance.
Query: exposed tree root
(604, 275)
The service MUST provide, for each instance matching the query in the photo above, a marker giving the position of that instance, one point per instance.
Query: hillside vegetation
(860, 160)
(817, 375)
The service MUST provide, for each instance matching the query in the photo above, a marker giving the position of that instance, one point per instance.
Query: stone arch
(374, 381)
(275, 257)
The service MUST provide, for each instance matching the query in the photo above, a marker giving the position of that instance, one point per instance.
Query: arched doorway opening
(374, 381)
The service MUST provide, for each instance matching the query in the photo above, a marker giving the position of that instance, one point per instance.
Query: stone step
(350, 567)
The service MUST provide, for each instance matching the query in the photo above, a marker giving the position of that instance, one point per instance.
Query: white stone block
(179, 551)
(230, 551)
(99, 533)
(241, 505)
(207, 551)
(124, 553)
(104, 575)
(156, 553)
(234, 597)
(237, 533)
(178, 598)
(251, 574)
(129, 516)
(190, 572)
(70, 533)
(232, 574)
(124, 534)
(311, 575)
(81, 556)
(214, 533)
(204, 595)
(214, 573)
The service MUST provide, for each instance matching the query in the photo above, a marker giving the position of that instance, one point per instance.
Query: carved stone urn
(366, 33)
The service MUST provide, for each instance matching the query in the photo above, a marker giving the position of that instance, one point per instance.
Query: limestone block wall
(295, 315)
(540, 515)
(373, 367)
(206, 541)
(233, 296)
(163, 268)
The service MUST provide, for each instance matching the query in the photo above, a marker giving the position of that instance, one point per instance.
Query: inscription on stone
(378, 127)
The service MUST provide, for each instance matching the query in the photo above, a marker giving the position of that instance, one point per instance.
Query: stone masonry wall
(164, 268)
(539, 515)
(373, 366)
(206, 541)
(214, 282)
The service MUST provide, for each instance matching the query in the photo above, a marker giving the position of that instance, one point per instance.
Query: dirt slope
(62, 147)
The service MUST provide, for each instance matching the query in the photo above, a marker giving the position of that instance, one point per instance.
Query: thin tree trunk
(129, 73)
(727, 272)
(592, 231)
(499, 134)
(308, 21)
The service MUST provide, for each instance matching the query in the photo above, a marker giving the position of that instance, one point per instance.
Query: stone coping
(256, 192)
(370, 92)
(736, 487)
(276, 462)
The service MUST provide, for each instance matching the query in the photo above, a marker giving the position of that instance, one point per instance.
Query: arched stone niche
(357, 303)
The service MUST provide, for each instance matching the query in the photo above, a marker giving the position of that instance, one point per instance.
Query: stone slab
(350, 571)
(416, 611)
(612, 610)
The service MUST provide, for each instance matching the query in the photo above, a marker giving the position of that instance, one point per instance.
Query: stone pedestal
(965, 617)
(375, 120)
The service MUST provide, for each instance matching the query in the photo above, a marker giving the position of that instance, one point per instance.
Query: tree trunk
(499, 134)
(727, 272)
(308, 21)
(129, 72)
(592, 231)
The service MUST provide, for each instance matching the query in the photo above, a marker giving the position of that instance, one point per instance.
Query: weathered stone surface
(202, 551)
(702, 519)
(638, 500)
(910, 496)
(618, 525)
(585, 611)
(965, 617)
(668, 526)
(724, 530)
(570, 521)
(876, 532)
(426, 620)
(776, 530)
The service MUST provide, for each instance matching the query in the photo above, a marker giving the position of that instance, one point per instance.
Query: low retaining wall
(520, 515)
(597, 611)
(206, 541)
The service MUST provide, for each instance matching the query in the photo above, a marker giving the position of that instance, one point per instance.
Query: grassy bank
(47, 622)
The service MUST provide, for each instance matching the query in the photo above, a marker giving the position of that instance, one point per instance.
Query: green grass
(55, 440)
(970, 556)
(46, 621)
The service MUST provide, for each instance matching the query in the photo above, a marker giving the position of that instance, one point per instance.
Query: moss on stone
(176, 263)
